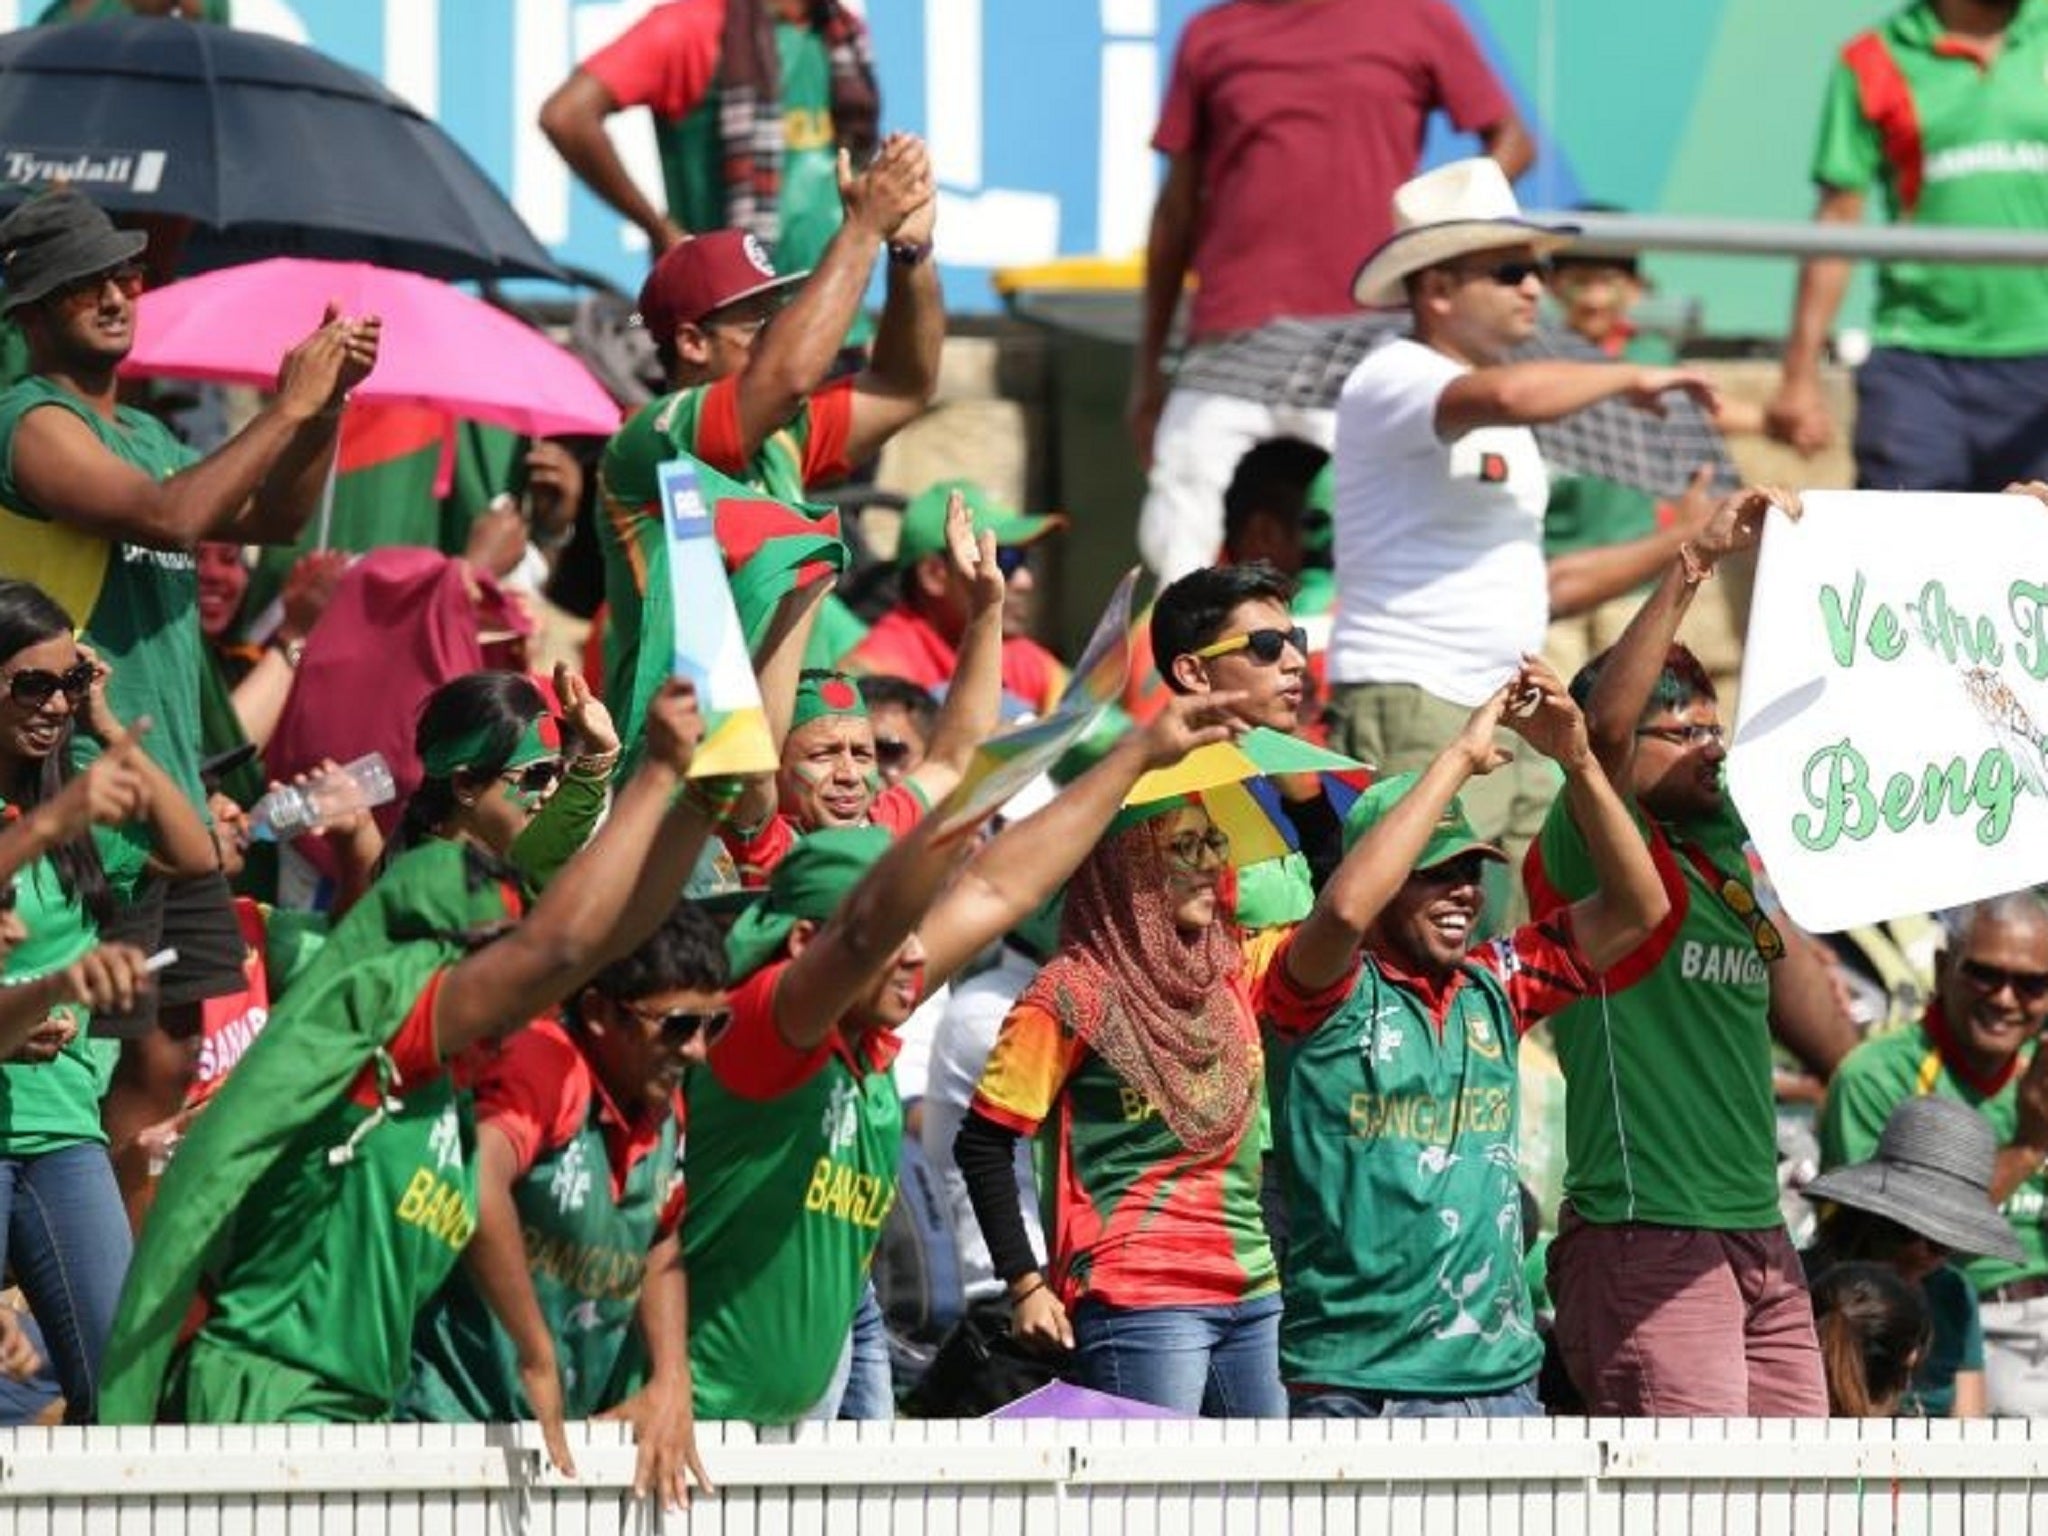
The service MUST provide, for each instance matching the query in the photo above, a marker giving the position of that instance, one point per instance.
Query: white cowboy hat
(1446, 213)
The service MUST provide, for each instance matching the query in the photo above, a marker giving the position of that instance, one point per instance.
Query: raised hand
(588, 719)
(897, 181)
(1738, 522)
(1482, 752)
(308, 589)
(110, 792)
(319, 372)
(974, 559)
(100, 719)
(1540, 710)
(1191, 721)
(675, 726)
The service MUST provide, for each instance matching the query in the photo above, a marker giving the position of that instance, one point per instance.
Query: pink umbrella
(441, 347)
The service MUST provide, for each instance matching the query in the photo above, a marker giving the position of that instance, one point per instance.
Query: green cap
(924, 521)
(820, 693)
(809, 884)
(1452, 835)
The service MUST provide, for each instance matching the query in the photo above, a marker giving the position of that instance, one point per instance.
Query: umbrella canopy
(279, 149)
(1230, 778)
(440, 347)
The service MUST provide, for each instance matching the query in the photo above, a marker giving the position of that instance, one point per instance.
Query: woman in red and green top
(1139, 1043)
(61, 1218)
(324, 1195)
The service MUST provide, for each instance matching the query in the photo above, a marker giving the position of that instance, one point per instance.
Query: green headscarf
(425, 913)
(808, 885)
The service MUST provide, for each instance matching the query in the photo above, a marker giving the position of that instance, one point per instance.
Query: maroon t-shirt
(1305, 116)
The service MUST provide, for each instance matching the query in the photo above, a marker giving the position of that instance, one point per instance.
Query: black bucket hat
(56, 239)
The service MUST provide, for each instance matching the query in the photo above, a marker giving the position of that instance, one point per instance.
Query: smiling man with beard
(1396, 1115)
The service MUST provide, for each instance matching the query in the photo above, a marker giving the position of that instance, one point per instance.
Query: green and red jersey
(596, 1188)
(1669, 1111)
(1922, 1058)
(704, 423)
(1135, 1219)
(344, 1239)
(135, 605)
(896, 809)
(1396, 1124)
(904, 643)
(1955, 135)
(791, 1168)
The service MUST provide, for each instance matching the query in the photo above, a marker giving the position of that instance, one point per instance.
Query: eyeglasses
(1187, 848)
(1265, 646)
(32, 687)
(1010, 559)
(679, 1028)
(2028, 986)
(535, 778)
(1465, 869)
(128, 277)
(1685, 735)
(1741, 900)
(1509, 274)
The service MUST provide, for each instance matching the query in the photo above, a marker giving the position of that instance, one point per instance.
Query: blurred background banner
(1695, 107)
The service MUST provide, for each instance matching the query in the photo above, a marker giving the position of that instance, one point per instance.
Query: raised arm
(604, 902)
(974, 701)
(1523, 394)
(794, 354)
(1377, 866)
(181, 846)
(1619, 698)
(1168, 249)
(1798, 412)
(902, 373)
(1016, 873)
(258, 487)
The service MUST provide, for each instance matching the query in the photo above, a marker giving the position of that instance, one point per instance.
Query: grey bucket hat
(1932, 1175)
(56, 239)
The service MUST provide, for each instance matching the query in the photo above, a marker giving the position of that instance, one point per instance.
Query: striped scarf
(750, 105)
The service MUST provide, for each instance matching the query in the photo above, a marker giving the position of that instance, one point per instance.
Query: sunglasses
(1741, 900)
(32, 687)
(1010, 559)
(128, 277)
(1510, 274)
(891, 752)
(1685, 735)
(2028, 986)
(1265, 646)
(1465, 869)
(678, 1029)
(535, 778)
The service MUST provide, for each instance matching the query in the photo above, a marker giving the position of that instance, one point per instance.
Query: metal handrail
(1802, 238)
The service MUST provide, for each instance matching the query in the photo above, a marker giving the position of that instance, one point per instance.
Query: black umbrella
(271, 148)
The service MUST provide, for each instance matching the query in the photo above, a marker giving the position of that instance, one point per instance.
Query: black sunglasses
(535, 778)
(1264, 646)
(2030, 986)
(890, 752)
(681, 1027)
(32, 687)
(1511, 274)
(1010, 559)
(128, 277)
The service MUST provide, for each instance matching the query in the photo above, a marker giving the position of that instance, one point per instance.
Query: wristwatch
(293, 651)
(909, 253)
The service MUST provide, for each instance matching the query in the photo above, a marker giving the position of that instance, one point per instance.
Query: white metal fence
(1508, 1478)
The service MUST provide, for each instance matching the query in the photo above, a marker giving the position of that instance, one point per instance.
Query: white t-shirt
(1439, 546)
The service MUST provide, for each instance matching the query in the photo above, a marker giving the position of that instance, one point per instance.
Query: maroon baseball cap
(706, 273)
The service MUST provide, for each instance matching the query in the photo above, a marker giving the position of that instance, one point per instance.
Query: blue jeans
(1345, 1403)
(63, 1229)
(1925, 422)
(870, 1385)
(1219, 1362)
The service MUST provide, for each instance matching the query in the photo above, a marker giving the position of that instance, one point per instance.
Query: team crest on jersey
(842, 1117)
(1480, 1038)
(1493, 469)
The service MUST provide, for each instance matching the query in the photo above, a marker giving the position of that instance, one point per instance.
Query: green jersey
(341, 1243)
(1952, 137)
(137, 606)
(587, 1222)
(791, 1168)
(1896, 1065)
(1396, 1127)
(1669, 1114)
(702, 422)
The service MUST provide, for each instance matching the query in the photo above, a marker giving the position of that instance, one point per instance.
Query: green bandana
(810, 883)
(820, 695)
(539, 740)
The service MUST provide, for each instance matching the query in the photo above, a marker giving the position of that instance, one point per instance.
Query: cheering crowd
(579, 1074)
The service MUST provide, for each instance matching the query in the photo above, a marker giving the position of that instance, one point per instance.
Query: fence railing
(1599, 1477)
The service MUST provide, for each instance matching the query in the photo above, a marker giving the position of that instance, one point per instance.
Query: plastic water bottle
(292, 810)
